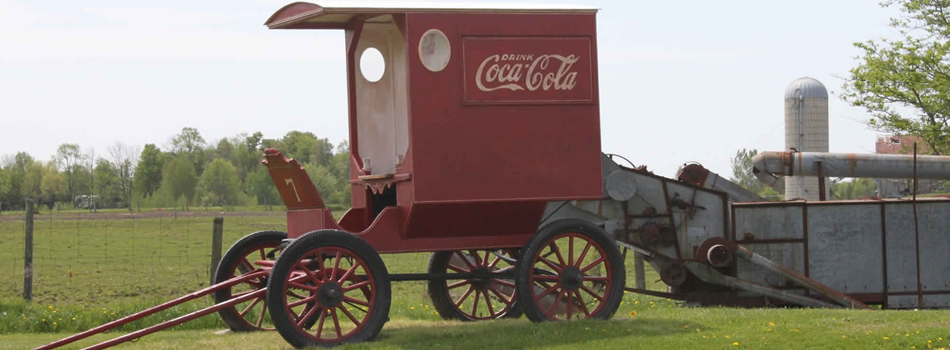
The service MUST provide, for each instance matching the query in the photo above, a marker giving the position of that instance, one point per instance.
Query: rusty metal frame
(884, 252)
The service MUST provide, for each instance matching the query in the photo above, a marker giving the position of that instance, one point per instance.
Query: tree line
(189, 171)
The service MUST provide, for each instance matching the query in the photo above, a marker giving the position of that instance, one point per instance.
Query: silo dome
(806, 130)
(806, 87)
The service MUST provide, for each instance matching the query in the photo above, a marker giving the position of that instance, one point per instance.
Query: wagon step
(167, 324)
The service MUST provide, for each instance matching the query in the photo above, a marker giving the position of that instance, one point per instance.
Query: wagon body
(481, 116)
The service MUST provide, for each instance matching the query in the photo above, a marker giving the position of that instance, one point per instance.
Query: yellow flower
(54, 323)
(735, 344)
(636, 301)
(727, 337)
(44, 320)
(885, 338)
(412, 308)
(633, 313)
(74, 318)
(586, 328)
(704, 337)
(768, 330)
(685, 327)
(54, 311)
(771, 324)
(51, 306)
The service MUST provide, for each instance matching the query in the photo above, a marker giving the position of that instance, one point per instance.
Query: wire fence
(94, 259)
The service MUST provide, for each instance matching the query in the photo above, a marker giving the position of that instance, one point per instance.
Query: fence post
(216, 245)
(638, 270)
(28, 253)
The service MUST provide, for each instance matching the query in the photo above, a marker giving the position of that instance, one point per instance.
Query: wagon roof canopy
(337, 15)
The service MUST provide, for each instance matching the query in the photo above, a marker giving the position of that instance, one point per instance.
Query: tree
(327, 184)
(259, 184)
(70, 160)
(910, 73)
(108, 187)
(219, 184)
(124, 159)
(742, 175)
(854, 189)
(190, 143)
(148, 171)
(180, 178)
(53, 186)
(246, 156)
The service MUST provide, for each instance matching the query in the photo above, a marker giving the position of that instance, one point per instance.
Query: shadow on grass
(521, 334)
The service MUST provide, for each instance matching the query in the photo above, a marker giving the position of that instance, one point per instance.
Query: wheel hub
(481, 283)
(572, 278)
(330, 294)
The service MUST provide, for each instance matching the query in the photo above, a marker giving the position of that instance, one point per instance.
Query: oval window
(434, 50)
(372, 64)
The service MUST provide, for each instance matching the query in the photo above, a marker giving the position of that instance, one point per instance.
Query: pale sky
(679, 80)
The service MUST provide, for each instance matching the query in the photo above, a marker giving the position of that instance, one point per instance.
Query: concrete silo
(806, 130)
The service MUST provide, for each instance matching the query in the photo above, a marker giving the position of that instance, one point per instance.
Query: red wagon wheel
(571, 269)
(328, 287)
(239, 260)
(473, 299)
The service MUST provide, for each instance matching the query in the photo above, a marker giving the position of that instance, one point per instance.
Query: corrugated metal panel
(806, 87)
(844, 246)
(901, 248)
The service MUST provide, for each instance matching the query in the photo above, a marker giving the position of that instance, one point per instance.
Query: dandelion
(44, 320)
(704, 337)
(412, 308)
(768, 330)
(51, 306)
(54, 323)
(771, 324)
(885, 338)
(633, 313)
(844, 337)
(586, 328)
(685, 327)
(636, 302)
(735, 344)
(54, 311)
(74, 318)
(727, 337)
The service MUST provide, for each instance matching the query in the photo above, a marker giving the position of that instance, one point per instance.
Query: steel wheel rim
(350, 273)
(479, 293)
(567, 298)
(247, 264)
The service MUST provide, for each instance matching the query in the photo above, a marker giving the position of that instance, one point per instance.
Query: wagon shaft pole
(158, 327)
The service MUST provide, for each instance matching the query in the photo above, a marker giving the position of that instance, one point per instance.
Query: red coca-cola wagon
(481, 118)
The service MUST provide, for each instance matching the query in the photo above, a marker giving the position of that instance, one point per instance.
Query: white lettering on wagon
(527, 72)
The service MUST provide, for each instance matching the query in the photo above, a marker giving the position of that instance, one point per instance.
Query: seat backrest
(292, 181)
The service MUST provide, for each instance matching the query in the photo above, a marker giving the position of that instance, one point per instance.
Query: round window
(434, 50)
(372, 64)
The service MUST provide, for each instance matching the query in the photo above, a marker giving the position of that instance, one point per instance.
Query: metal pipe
(768, 166)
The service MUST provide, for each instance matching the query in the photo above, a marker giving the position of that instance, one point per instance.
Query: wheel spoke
(598, 261)
(582, 304)
(548, 291)
(456, 268)
(570, 251)
(247, 266)
(465, 260)
(336, 323)
(260, 319)
(310, 274)
(504, 299)
(550, 264)
(475, 304)
(306, 316)
(355, 301)
(556, 301)
(493, 263)
(323, 316)
(348, 272)
(591, 292)
(464, 295)
(301, 286)
(354, 286)
(557, 253)
(491, 310)
(504, 283)
(485, 259)
(595, 278)
(570, 296)
(546, 278)
(241, 294)
(458, 284)
(349, 315)
(336, 265)
(263, 256)
(249, 307)
(478, 259)
(302, 301)
(580, 259)
(320, 265)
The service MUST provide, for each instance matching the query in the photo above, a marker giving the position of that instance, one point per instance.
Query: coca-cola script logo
(519, 72)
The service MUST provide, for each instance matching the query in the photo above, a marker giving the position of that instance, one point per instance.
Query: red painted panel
(533, 70)
(292, 181)
(466, 152)
(474, 219)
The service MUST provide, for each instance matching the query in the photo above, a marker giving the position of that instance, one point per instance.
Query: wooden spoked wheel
(241, 259)
(474, 299)
(328, 287)
(570, 270)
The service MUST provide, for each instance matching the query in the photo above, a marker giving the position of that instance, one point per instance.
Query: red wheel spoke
(323, 316)
(491, 310)
(354, 286)
(295, 295)
(464, 295)
(598, 261)
(260, 319)
(556, 301)
(485, 259)
(595, 278)
(504, 283)
(548, 291)
(320, 266)
(263, 256)
(557, 252)
(464, 259)
(355, 301)
(310, 274)
(504, 299)
(456, 268)
(570, 251)
(336, 323)
(570, 296)
(591, 292)
(348, 272)
(336, 265)
(300, 320)
(301, 286)
(474, 254)
(550, 264)
(349, 315)
(580, 259)
(458, 284)
(248, 268)
(582, 304)
(302, 301)
(546, 278)
(493, 263)
(475, 304)
(249, 307)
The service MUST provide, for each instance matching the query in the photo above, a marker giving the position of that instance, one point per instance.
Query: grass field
(171, 257)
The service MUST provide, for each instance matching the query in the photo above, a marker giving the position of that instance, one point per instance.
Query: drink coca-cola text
(526, 72)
